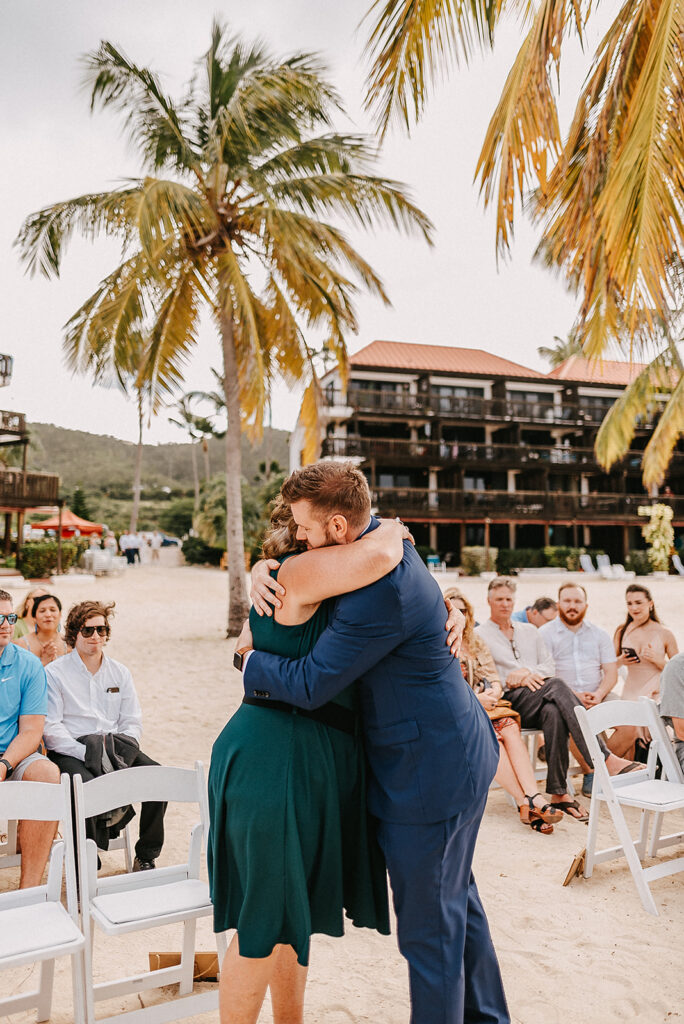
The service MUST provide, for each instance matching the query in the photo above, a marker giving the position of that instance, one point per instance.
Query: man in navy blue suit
(431, 748)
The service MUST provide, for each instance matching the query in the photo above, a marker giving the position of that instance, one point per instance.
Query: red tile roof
(399, 355)
(601, 371)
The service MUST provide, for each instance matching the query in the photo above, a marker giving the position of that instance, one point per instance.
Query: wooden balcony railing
(488, 409)
(11, 422)
(506, 505)
(24, 490)
(424, 452)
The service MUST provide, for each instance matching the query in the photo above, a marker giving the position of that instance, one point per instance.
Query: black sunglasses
(87, 631)
(11, 618)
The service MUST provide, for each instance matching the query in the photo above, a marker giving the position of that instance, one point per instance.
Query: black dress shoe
(143, 865)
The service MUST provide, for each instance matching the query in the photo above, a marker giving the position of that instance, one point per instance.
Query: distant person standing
(135, 544)
(109, 543)
(126, 548)
(155, 545)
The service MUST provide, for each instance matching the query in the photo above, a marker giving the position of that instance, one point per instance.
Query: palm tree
(126, 366)
(608, 196)
(562, 350)
(187, 421)
(254, 172)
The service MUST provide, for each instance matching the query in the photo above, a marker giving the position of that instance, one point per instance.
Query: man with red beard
(583, 653)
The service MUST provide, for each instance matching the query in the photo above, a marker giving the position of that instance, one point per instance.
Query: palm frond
(154, 124)
(44, 235)
(169, 210)
(637, 401)
(173, 334)
(412, 43)
(668, 430)
(523, 136)
(309, 419)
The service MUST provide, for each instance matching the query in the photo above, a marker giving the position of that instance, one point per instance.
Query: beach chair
(605, 569)
(640, 789)
(677, 563)
(587, 565)
(34, 926)
(121, 904)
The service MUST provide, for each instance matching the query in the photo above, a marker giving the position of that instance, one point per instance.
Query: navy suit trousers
(441, 925)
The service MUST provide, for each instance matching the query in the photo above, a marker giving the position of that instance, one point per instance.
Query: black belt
(333, 715)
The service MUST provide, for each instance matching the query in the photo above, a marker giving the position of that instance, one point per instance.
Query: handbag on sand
(206, 964)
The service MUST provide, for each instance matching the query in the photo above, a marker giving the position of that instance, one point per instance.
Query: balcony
(475, 506)
(5, 370)
(27, 490)
(472, 409)
(12, 423)
(434, 453)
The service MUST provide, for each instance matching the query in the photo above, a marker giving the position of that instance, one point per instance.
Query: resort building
(20, 491)
(470, 448)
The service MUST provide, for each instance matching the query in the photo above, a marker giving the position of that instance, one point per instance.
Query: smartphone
(629, 652)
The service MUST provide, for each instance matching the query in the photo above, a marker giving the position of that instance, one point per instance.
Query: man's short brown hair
(80, 614)
(568, 586)
(331, 488)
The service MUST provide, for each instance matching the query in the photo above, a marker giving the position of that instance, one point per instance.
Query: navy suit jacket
(431, 747)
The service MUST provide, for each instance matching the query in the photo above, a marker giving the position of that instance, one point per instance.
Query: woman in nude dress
(643, 645)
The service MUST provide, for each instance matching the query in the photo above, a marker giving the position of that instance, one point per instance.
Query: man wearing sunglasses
(23, 703)
(94, 721)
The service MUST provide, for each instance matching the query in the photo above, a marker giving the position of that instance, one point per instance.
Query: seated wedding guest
(515, 773)
(643, 645)
(23, 704)
(542, 699)
(543, 610)
(94, 721)
(45, 640)
(672, 701)
(25, 623)
(582, 653)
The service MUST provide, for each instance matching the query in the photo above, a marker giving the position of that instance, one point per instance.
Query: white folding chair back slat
(146, 899)
(639, 789)
(34, 926)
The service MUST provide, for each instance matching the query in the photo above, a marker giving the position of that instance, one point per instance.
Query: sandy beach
(586, 953)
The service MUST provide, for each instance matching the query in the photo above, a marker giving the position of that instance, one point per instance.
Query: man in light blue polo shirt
(23, 706)
(541, 611)
(583, 653)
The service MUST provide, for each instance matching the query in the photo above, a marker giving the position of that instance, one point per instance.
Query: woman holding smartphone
(644, 646)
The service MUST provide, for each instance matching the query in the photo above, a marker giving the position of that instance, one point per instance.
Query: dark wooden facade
(494, 459)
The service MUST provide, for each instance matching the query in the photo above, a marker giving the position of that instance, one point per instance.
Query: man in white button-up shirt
(94, 722)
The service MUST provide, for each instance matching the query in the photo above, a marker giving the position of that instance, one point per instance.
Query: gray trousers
(552, 709)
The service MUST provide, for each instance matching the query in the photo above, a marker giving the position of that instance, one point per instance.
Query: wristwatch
(239, 657)
(8, 766)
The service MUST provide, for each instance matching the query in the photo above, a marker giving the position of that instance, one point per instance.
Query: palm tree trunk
(195, 474)
(138, 469)
(238, 605)
(205, 452)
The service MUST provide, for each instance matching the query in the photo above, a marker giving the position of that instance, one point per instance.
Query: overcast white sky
(54, 149)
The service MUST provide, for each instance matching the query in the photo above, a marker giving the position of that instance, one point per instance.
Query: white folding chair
(121, 904)
(638, 789)
(34, 926)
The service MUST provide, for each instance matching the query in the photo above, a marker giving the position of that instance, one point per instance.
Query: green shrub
(511, 559)
(639, 562)
(474, 560)
(196, 552)
(177, 518)
(563, 557)
(38, 559)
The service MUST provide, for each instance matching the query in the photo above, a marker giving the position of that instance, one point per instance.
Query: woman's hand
(653, 653)
(487, 699)
(265, 591)
(455, 624)
(48, 651)
(245, 638)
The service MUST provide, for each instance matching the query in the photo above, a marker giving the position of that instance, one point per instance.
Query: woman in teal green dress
(291, 846)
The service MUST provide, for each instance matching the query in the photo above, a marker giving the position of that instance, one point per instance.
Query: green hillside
(97, 462)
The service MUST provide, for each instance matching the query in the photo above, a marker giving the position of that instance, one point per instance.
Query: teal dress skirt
(291, 846)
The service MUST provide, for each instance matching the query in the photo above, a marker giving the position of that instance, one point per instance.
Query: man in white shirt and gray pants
(94, 721)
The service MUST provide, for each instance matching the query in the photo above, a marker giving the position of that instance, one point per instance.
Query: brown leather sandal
(529, 811)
